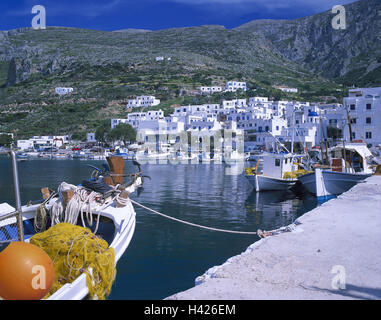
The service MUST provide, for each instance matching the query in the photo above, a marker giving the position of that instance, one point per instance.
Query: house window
(353, 120)
(368, 106)
(368, 120)
(353, 135)
(277, 162)
(353, 107)
(368, 135)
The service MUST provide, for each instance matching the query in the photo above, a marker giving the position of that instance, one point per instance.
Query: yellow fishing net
(295, 174)
(250, 171)
(75, 250)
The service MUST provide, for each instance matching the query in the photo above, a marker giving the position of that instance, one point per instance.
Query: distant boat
(79, 155)
(149, 155)
(59, 156)
(349, 165)
(183, 156)
(22, 157)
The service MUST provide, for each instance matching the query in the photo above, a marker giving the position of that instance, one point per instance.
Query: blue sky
(156, 14)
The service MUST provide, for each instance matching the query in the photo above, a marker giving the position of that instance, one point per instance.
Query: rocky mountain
(107, 68)
(351, 55)
(307, 45)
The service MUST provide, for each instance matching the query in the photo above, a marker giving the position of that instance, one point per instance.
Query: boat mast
(293, 132)
(349, 124)
(325, 142)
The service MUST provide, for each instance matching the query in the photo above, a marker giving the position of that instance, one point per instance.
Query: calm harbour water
(165, 257)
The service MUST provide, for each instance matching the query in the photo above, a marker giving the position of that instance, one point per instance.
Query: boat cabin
(277, 164)
(350, 158)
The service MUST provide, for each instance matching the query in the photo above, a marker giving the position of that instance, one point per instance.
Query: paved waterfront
(339, 240)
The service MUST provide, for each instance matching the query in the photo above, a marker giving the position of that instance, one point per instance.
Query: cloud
(267, 5)
(84, 8)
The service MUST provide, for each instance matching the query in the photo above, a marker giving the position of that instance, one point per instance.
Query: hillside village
(261, 121)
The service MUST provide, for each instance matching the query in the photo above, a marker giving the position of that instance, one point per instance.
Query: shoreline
(333, 246)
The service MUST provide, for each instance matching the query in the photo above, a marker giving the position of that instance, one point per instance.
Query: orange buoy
(26, 272)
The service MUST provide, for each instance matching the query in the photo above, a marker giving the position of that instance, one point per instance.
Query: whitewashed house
(233, 86)
(37, 142)
(136, 118)
(255, 100)
(143, 101)
(91, 138)
(364, 105)
(287, 89)
(210, 90)
(63, 91)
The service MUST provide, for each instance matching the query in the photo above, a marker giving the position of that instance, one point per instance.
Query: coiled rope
(259, 232)
(41, 218)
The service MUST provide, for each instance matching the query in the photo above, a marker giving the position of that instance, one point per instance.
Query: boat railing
(16, 186)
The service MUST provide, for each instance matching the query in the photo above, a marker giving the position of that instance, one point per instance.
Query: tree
(5, 140)
(123, 132)
(101, 133)
(79, 136)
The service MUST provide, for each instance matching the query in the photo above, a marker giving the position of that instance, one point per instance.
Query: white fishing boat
(60, 156)
(114, 221)
(278, 173)
(349, 165)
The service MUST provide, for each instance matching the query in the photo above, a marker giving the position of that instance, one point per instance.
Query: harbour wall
(331, 252)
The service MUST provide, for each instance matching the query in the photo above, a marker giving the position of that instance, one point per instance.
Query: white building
(159, 59)
(91, 138)
(63, 91)
(364, 105)
(287, 89)
(136, 118)
(143, 101)
(40, 142)
(233, 86)
(233, 104)
(255, 100)
(209, 90)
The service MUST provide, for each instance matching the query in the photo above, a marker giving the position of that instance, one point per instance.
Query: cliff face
(348, 54)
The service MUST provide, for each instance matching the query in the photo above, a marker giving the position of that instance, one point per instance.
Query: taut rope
(259, 232)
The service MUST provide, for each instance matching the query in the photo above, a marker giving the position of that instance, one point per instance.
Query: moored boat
(100, 210)
(349, 165)
(279, 172)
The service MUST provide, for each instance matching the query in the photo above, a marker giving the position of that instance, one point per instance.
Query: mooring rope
(259, 232)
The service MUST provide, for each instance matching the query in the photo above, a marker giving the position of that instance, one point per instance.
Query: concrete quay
(332, 253)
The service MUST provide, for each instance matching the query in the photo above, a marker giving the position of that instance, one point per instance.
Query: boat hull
(264, 183)
(333, 183)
